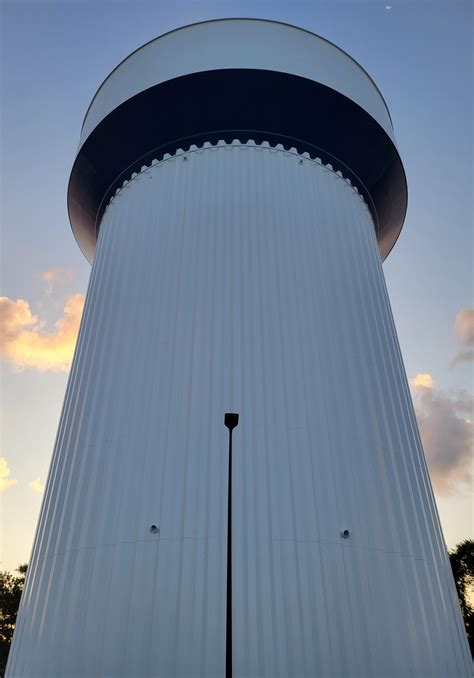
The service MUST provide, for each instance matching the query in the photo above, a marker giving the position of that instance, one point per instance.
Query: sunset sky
(54, 57)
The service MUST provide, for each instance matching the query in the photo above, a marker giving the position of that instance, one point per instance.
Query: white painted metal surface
(317, 98)
(211, 45)
(252, 283)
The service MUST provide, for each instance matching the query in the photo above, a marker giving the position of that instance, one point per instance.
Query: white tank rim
(363, 141)
(243, 18)
(386, 124)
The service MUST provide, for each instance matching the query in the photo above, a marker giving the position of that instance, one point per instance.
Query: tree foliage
(11, 586)
(462, 564)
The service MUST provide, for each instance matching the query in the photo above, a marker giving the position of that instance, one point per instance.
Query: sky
(54, 55)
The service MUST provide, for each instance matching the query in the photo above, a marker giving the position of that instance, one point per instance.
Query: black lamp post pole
(230, 420)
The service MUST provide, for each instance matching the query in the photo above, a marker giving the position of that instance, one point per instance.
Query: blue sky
(55, 55)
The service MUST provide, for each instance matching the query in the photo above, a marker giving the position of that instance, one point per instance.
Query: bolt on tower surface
(237, 187)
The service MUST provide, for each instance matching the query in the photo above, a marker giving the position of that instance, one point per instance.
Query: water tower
(236, 189)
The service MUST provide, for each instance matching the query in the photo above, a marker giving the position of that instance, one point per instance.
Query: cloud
(25, 342)
(464, 327)
(464, 324)
(422, 380)
(36, 485)
(59, 274)
(463, 357)
(5, 481)
(446, 432)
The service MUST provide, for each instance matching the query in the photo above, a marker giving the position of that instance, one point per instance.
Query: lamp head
(231, 420)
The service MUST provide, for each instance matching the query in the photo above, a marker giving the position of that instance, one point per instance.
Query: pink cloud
(25, 342)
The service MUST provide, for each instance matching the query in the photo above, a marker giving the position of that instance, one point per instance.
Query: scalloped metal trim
(181, 153)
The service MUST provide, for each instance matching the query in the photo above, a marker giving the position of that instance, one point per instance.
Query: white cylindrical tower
(237, 187)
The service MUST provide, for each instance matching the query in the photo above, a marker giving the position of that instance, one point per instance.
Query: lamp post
(231, 420)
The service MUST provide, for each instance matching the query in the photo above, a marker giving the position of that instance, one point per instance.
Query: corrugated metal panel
(247, 279)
